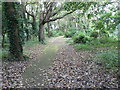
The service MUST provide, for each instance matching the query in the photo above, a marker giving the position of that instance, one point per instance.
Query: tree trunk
(26, 18)
(49, 33)
(41, 33)
(27, 34)
(3, 36)
(3, 39)
(16, 50)
(34, 24)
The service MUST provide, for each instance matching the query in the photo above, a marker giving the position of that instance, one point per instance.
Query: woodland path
(41, 57)
(55, 65)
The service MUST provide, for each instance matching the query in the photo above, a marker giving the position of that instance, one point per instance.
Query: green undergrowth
(5, 56)
(95, 43)
(3, 53)
(82, 47)
(109, 60)
(106, 49)
(30, 43)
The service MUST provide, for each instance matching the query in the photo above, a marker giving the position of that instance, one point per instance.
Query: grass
(3, 53)
(82, 47)
(92, 46)
(109, 60)
(97, 43)
(30, 43)
(70, 41)
(106, 58)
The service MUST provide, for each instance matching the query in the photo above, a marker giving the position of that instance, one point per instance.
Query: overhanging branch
(46, 21)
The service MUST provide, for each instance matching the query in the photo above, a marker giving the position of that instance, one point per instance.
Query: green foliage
(81, 38)
(104, 33)
(82, 47)
(30, 43)
(3, 53)
(104, 40)
(94, 34)
(107, 21)
(55, 33)
(70, 33)
(70, 41)
(78, 5)
(109, 60)
(96, 43)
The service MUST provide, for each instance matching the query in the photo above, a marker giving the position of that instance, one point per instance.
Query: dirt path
(55, 65)
(41, 59)
(73, 69)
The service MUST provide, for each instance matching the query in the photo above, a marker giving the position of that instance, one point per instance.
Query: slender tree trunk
(49, 33)
(27, 34)
(3, 39)
(26, 23)
(41, 33)
(3, 36)
(16, 50)
(34, 24)
(59, 26)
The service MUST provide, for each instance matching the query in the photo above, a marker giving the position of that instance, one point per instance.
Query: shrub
(70, 33)
(4, 54)
(55, 33)
(81, 38)
(107, 40)
(104, 42)
(59, 33)
(94, 34)
(105, 33)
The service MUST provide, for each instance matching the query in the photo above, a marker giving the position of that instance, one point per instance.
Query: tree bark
(34, 25)
(49, 33)
(16, 50)
(3, 39)
(41, 33)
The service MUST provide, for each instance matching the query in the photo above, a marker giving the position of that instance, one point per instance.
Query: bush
(105, 33)
(59, 33)
(94, 34)
(70, 33)
(107, 40)
(81, 38)
(104, 42)
(4, 54)
(55, 33)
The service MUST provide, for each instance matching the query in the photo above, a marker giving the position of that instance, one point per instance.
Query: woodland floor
(57, 64)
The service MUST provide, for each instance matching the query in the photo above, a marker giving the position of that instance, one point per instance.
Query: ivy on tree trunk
(15, 49)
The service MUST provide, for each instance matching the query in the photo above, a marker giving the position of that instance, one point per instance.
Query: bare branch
(27, 11)
(48, 10)
(54, 13)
